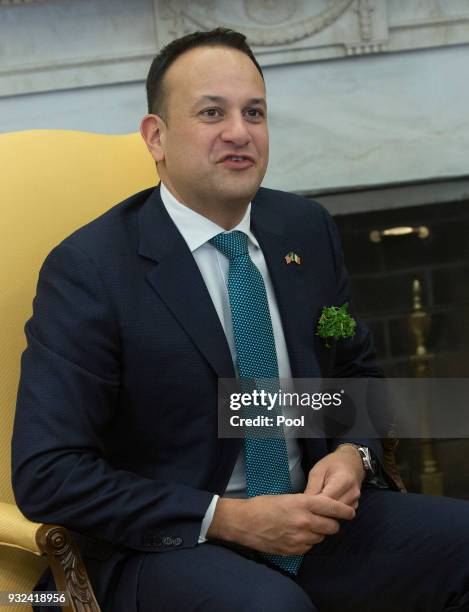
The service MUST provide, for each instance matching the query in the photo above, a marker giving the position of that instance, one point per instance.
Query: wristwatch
(368, 461)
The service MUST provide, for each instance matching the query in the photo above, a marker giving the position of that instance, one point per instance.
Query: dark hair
(219, 37)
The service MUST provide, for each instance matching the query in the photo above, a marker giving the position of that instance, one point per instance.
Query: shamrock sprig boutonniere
(335, 322)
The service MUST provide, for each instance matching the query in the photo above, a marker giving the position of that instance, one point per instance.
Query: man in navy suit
(116, 426)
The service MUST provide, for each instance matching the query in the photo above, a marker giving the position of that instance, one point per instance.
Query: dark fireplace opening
(383, 270)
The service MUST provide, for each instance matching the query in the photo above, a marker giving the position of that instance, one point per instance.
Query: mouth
(239, 162)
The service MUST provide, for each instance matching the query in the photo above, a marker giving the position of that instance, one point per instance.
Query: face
(212, 145)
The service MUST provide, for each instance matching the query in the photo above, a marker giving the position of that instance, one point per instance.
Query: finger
(316, 538)
(349, 500)
(350, 497)
(336, 488)
(315, 482)
(326, 506)
(324, 526)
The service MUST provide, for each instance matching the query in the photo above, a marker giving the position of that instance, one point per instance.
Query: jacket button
(151, 540)
(178, 541)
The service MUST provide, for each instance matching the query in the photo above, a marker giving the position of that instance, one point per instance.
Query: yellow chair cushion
(52, 183)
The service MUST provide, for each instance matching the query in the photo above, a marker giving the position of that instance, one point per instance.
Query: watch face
(368, 462)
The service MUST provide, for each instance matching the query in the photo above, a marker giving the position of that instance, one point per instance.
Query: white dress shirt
(197, 230)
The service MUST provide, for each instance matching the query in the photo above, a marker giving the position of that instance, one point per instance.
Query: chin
(237, 192)
(241, 196)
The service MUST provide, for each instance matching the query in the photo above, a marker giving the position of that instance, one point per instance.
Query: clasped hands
(292, 524)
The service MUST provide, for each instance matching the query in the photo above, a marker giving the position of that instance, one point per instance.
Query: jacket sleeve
(68, 397)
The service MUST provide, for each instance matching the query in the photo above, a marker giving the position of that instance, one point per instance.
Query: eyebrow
(209, 98)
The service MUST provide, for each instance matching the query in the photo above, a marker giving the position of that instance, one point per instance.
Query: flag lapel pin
(292, 257)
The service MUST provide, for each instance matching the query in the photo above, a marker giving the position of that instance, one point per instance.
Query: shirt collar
(197, 229)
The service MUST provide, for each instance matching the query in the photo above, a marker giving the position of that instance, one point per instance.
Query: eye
(211, 113)
(255, 113)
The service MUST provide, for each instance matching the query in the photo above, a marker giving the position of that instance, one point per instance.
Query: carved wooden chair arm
(389, 461)
(62, 553)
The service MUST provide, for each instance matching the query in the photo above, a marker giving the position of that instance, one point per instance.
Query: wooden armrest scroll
(67, 568)
(389, 462)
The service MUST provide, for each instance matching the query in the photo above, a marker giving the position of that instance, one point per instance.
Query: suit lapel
(177, 280)
(300, 296)
(297, 296)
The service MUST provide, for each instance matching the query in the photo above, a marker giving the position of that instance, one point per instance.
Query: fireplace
(383, 269)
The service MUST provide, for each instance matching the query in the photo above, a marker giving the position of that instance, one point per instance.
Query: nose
(235, 129)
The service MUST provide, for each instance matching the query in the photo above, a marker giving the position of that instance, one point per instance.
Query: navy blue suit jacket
(115, 433)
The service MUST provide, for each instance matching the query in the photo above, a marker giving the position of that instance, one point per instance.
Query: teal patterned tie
(267, 471)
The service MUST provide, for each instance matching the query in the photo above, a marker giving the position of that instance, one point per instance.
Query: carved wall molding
(49, 49)
(270, 13)
(365, 10)
(301, 30)
(287, 23)
(15, 2)
(68, 44)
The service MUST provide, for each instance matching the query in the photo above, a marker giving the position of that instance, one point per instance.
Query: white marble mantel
(361, 93)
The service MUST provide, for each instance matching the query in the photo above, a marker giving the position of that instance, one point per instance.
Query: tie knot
(232, 244)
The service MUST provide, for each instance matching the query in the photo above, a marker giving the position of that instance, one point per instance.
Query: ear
(152, 130)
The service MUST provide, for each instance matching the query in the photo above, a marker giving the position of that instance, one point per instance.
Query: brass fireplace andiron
(431, 478)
